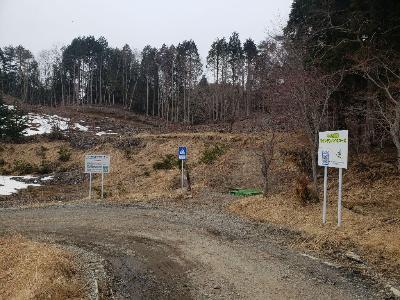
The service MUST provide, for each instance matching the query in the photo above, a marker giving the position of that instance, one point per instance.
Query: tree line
(168, 82)
(342, 66)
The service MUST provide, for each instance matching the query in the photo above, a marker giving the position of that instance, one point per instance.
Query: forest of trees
(336, 66)
(169, 82)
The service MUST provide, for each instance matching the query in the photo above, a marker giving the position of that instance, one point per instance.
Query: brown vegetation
(31, 270)
(219, 162)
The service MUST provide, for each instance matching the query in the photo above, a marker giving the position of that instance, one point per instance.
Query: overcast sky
(41, 24)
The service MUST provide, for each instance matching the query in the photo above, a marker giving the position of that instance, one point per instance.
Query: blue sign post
(182, 153)
(182, 156)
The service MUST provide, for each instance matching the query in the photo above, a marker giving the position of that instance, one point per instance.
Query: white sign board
(333, 149)
(97, 164)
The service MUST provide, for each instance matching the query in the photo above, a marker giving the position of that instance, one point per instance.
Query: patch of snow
(9, 185)
(395, 291)
(44, 124)
(353, 256)
(47, 178)
(40, 124)
(331, 264)
(80, 127)
(104, 133)
(309, 256)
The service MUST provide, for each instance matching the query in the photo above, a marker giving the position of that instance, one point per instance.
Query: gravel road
(146, 251)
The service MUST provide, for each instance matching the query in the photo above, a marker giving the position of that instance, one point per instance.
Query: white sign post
(97, 164)
(182, 156)
(333, 153)
(102, 183)
(90, 185)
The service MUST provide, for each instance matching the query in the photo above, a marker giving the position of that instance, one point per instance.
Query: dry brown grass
(133, 177)
(31, 270)
(375, 239)
(31, 153)
(371, 214)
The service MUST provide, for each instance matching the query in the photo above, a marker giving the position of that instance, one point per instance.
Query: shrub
(169, 162)
(44, 167)
(56, 133)
(304, 192)
(129, 146)
(64, 154)
(2, 165)
(41, 152)
(301, 158)
(212, 154)
(22, 167)
(12, 122)
(5, 172)
(106, 193)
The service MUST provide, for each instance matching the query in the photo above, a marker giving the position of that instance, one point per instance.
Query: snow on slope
(44, 123)
(80, 127)
(40, 124)
(9, 185)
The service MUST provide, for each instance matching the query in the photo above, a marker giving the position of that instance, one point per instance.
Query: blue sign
(325, 158)
(182, 153)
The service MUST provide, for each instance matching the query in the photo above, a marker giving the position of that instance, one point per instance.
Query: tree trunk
(397, 143)
(147, 96)
(395, 133)
(154, 101)
(91, 88)
(264, 171)
(267, 157)
(133, 92)
(100, 94)
(314, 163)
(369, 121)
(184, 103)
(158, 100)
(188, 107)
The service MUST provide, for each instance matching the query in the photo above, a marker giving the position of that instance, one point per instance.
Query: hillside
(143, 168)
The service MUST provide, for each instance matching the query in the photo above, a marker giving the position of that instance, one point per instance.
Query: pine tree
(12, 122)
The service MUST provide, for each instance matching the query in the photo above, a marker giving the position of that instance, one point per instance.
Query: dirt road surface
(147, 251)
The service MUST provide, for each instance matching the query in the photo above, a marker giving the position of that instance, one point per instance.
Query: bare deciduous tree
(266, 156)
(309, 91)
(383, 71)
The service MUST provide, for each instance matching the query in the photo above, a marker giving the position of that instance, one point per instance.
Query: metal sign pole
(102, 182)
(325, 195)
(340, 197)
(90, 186)
(182, 174)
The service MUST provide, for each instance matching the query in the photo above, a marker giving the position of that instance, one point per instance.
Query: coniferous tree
(12, 122)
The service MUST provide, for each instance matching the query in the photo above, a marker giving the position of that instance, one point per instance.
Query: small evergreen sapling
(12, 122)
